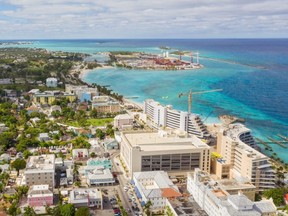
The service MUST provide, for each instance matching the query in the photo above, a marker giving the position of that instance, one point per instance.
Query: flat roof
(41, 163)
(155, 141)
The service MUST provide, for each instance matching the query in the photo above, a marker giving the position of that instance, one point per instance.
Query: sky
(68, 19)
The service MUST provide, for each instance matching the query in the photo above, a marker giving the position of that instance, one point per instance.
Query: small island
(148, 61)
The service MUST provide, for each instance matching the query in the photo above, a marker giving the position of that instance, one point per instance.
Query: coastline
(126, 101)
(84, 71)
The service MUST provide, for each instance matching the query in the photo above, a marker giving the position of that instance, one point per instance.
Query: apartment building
(216, 201)
(48, 97)
(244, 161)
(169, 150)
(84, 93)
(105, 104)
(165, 116)
(40, 170)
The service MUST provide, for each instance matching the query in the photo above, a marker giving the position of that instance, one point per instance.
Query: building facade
(40, 170)
(48, 97)
(88, 197)
(156, 187)
(218, 202)
(244, 161)
(124, 121)
(105, 104)
(40, 195)
(163, 150)
(165, 116)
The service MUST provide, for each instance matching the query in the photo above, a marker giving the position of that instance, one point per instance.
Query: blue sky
(42, 19)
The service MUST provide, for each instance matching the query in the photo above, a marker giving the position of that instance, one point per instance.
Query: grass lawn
(100, 122)
(93, 122)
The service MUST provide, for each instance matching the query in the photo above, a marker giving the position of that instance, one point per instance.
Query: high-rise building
(165, 116)
(243, 160)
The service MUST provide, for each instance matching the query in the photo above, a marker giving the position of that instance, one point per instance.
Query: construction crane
(190, 93)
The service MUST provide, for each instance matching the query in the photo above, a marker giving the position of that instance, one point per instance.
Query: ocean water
(253, 74)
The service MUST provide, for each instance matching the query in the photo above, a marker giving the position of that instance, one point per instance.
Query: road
(122, 182)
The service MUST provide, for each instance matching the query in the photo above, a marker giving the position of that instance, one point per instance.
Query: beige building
(105, 104)
(124, 121)
(40, 170)
(244, 161)
(163, 150)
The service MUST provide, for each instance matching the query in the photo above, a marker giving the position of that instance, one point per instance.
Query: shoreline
(85, 71)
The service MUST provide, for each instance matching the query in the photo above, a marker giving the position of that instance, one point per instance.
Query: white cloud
(143, 18)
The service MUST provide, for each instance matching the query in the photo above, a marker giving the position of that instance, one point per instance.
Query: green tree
(82, 211)
(147, 207)
(19, 164)
(26, 154)
(276, 194)
(93, 113)
(29, 211)
(100, 134)
(67, 210)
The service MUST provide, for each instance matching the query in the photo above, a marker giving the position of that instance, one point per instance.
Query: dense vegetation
(24, 65)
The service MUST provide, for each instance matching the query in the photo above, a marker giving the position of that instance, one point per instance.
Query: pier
(283, 137)
(263, 142)
(280, 143)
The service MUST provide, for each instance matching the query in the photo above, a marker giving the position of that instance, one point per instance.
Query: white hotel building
(163, 150)
(165, 116)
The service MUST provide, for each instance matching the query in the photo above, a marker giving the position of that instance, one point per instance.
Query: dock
(280, 143)
(263, 142)
(283, 137)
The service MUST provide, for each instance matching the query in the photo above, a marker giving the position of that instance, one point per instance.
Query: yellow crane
(190, 93)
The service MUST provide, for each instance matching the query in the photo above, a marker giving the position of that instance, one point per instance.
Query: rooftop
(40, 163)
(39, 191)
(124, 116)
(159, 141)
(155, 184)
(83, 194)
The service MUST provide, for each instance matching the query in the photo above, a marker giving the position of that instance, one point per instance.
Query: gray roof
(265, 206)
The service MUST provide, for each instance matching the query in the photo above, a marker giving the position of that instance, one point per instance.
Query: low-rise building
(218, 202)
(80, 154)
(84, 93)
(97, 175)
(44, 137)
(110, 144)
(88, 197)
(105, 104)
(51, 82)
(39, 195)
(124, 121)
(40, 170)
(48, 97)
(156, 187)
(170, 151)
(98, 161)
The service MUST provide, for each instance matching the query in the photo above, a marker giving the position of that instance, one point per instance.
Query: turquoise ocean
(253, 74)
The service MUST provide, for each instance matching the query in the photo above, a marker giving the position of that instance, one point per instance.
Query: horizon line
(144, 38)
